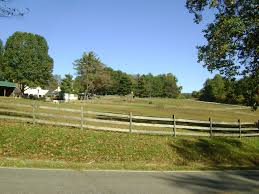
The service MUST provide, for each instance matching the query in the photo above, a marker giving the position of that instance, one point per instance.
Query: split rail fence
(128, 123)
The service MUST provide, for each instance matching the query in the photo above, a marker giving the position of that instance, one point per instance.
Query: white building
(35, 92)
(70, 97)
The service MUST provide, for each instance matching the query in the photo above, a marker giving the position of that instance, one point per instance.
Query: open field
(186, 109)
(25, 145)
(85, 115)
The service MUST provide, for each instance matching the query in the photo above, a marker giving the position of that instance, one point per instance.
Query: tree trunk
(22, 88)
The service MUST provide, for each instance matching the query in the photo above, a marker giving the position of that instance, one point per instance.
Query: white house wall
(70, 97)
(36, 92)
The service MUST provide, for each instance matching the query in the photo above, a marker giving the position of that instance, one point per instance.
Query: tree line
(226, 90)
(24, 59)
(93, 77)
(231, 48)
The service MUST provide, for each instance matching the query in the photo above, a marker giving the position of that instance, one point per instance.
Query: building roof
(7, 84)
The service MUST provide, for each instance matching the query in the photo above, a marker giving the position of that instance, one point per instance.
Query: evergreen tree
(88, 69)
(124, 85)
(67, 84)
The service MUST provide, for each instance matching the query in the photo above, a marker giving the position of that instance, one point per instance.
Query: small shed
(6, 88)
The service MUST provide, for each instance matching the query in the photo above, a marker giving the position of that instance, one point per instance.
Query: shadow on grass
(15, 114)
(216, 152)
(214, 182)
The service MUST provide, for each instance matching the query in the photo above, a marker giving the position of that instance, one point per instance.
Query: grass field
(186, 109)
(25, 145)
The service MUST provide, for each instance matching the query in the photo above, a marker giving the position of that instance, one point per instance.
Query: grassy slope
(25, 145)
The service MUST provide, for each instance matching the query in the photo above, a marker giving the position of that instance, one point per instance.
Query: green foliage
(67, 84)
(1, 48)
(231, 91)
(102, 82)
(91, 74)
(196, 94)
(164, 85)
(121, 83)
(171, 90)
(77, 85)
(246, 92)
(185, 96)
(214, 90)
(141, 89)
(232, 40)
(96, 78)
(26, 60)
(124, 84)
(157, 86)
(1, 59)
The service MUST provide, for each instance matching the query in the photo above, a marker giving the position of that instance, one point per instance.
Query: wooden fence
(127, 122)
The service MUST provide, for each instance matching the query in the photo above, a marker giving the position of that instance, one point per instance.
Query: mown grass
(25, 145)
(186, 109)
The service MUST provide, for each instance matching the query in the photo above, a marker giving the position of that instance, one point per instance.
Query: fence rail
(128, 122)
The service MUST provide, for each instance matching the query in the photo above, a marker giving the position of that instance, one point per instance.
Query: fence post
(130, 122)
(82, 116)
(174, 125)
(210, 119)
(239, 125)
(33, 113)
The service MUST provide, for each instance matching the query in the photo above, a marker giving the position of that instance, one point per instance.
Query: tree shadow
(214, 182)
(15, 114)
(216, 152)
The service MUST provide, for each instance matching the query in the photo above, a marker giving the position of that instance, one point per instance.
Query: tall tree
(67, 84)
(157, 86)
(87, 67)
(26, 60)
(149, 80)
(102, 81)
(6, 11)
(232, 39)
(171, 90)
(124, 84)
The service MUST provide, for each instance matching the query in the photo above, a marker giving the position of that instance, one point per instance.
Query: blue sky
(135, 36)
